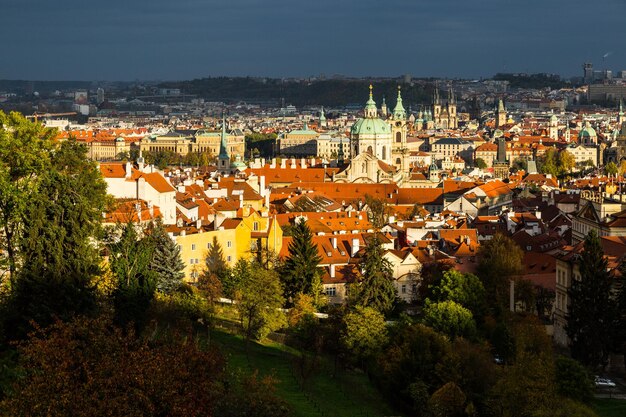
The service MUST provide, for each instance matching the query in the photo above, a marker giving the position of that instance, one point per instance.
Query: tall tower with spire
(620, 113)
(223, 158)
(398, 133)
(453, 120)
(436, 106)
(322, 121)
(500, 114)
(383, 109)
(553, 127)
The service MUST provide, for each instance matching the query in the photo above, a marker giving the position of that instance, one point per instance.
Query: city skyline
(161, 40)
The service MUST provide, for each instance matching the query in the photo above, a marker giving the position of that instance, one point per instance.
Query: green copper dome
(587, 131)
(369, 126)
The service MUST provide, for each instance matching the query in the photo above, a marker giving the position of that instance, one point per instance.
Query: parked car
(604, 382)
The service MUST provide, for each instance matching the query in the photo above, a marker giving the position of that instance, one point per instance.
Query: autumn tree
(611, 169)
(378, 211)
(89, 367)
(592, 315)
(567, 162)
(300, 272)
(376, 289)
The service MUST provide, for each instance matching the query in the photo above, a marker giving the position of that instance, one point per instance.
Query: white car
(604, 383)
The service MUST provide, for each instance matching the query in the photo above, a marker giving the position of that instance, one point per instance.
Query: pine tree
(592, 311)
(376, 290)
(166, 261)
(300, 270)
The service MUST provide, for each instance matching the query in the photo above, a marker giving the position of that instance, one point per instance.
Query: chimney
(312, 162)
(128, 170)
(283, 163)
(262, 185)
(183, 232)
(293, 163)
(273, 164)
(198, 224)
(332, 270)
(302, 163)
(240, 200)
(334, 240)
(267, 200)
(355, 246)
(181, 188)
(262, 162)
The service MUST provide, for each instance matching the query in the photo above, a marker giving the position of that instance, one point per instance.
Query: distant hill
(532, 81)
(322, 92)
(25, 87)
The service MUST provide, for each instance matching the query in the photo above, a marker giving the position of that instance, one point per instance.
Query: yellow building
(250, 234)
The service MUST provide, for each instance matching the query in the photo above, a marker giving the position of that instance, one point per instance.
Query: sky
(184, 39)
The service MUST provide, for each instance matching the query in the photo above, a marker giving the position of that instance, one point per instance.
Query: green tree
(464, 289)
(450, 318)
(480, 163)
(500, 261)
(377, 211)
(519, 164)
(376, 289)
(592, 316)
(549, 162)
(259, 297)
(25, 150)
(364, 333)
(166, 263)
(130, 257)
(300, 270)
(61, 261)
(567, 162)
(448, 401)
(572, 380)
(216, 278)
(611, 169)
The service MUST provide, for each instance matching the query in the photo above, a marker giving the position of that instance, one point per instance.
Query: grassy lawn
(610, 407)
(348, 394)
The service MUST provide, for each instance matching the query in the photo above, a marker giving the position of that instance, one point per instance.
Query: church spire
(370, 107)
(398, 112)
(224, 159)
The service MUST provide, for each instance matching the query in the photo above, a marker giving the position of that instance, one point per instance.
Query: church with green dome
(383, 139)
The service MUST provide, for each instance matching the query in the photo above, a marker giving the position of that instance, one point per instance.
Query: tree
(519, 164)
(448, 401)
(89, 367)
(464, 289)
(573, 381)
(567, 162)
(480, 163)
(300, 270)
(259, 298)
(61, 262)
(592, 315)
(25, 150)
(376, 289)
(130, 257)
(549, 163)
(450, 318)
(364, 333)
(611, 169)
(166, 262)
(214, 279)
(500, 261)
(378, 211)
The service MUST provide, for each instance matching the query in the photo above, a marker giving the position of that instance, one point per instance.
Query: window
(331, 291)
(403, 289)
(193, 246)
(229, 244)
(208, 245)
(256, 226)
(228, 258)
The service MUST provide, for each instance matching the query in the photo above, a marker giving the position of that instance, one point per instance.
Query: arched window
(398, 137)
(384, 152)
(370, 150)
(398, 161)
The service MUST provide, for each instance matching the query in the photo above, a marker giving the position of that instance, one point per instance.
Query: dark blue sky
(183, 39)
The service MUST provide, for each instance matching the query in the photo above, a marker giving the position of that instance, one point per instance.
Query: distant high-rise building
(587, 72)
(100, 96)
